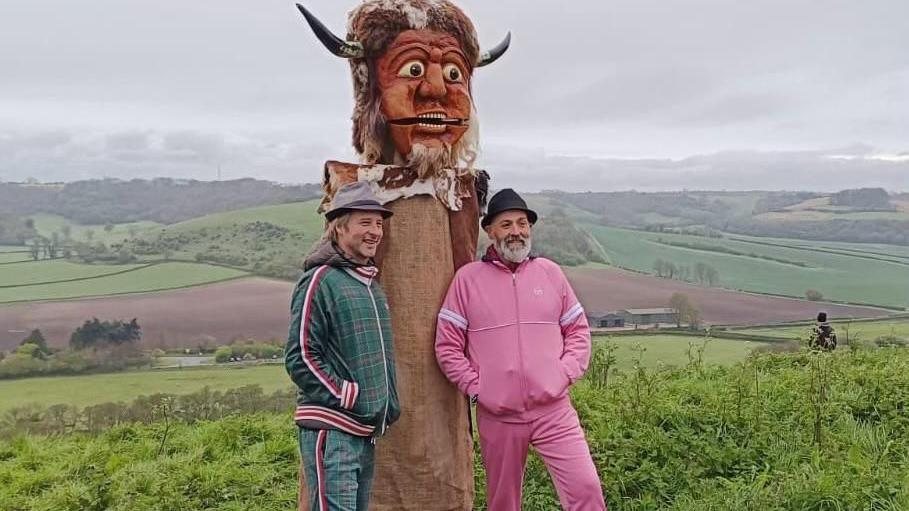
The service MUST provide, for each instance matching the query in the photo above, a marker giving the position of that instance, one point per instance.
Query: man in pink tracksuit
(513, 337)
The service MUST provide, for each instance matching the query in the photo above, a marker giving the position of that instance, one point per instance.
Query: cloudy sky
(618, 94)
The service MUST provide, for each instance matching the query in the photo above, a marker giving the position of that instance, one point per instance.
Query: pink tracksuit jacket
(525, 335)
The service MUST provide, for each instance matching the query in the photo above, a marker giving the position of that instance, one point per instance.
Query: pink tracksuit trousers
(558, 439)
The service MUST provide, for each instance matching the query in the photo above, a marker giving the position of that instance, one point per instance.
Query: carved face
(424, 81)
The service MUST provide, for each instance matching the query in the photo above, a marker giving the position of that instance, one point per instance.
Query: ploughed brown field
(218, 313)
(259, 308)
(612, 289)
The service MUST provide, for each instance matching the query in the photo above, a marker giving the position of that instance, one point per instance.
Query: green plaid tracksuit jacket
(339, 352)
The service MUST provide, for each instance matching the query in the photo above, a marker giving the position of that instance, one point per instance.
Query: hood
(328, 254)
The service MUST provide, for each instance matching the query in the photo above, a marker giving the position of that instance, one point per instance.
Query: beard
(428, 161)
(516, 254)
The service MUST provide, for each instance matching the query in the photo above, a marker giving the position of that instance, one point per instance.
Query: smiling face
(359, 236)
(510, 230)
(423, 79)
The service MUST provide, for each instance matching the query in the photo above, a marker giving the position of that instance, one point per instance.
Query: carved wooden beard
(424, 85)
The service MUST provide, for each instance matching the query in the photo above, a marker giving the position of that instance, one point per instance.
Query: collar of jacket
(329, 254)
(492, 257)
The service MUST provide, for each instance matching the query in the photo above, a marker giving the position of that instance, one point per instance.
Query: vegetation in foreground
(777, 432)
(650, 350)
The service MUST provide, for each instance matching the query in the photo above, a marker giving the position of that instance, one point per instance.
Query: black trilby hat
(507, 200)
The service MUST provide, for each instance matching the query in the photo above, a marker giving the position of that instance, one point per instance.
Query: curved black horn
(336, 45)
(488, 57)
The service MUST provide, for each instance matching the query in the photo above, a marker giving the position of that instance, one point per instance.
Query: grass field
(14, 256)
(839, 276)
(49, 224)
(296, 216)
(672, 350)
(153, 278)
(863, 330)
(102, 388)
(93, 389)
(32, 272)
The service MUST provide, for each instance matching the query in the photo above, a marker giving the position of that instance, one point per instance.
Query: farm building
(632, 317)
(649, 316)
(606, 320)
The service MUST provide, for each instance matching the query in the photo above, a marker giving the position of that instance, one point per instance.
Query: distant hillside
(267, 240)
(867, 215)
(160, 200)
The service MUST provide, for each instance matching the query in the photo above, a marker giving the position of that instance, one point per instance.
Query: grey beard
(428, 162)
(511, 255)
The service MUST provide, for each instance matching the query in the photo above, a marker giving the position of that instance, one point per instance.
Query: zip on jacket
(515, 338)
(339, 351)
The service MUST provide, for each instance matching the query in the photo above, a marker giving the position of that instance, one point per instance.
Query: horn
(490, 56)
(336, 45)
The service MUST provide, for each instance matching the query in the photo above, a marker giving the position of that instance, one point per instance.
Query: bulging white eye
(452, 73)
(412, 69)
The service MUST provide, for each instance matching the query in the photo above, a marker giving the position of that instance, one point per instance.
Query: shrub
(814, 295)
(223, 354)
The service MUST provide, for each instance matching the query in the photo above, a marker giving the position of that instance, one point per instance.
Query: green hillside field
(296, 216)
(14, 255)
(46, 225)
(56, 270)
(157, 277)
(862, 330)
(761, 267)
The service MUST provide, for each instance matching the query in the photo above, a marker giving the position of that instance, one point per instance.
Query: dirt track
(258, 308)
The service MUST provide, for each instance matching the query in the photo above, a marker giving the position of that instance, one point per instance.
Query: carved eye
(452, 73)
(412, 69)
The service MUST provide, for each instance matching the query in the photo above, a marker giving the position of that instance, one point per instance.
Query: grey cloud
(169, 86)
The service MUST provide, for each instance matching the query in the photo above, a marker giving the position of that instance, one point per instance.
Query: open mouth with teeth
(429, 120)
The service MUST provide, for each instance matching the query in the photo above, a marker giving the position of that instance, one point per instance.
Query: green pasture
(673, 350)
(102, 388)
(46, 225)
(296, 216)
(659, 350)
(862, 330)
(156, 277)
(839, 276)
(10, 256)
(47, 270)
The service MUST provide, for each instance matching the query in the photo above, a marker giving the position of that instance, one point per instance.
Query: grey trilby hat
(356, 196)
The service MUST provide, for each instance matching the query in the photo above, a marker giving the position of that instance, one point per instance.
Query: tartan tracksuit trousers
(339, 469)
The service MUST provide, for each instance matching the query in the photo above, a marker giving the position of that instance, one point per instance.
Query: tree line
(94, 346)
(164, 200)
(700, 273)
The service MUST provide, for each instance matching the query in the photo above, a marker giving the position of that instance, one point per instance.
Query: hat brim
(487, 219)
(335, 213)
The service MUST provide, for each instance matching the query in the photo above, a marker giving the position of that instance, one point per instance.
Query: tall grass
(801, 431)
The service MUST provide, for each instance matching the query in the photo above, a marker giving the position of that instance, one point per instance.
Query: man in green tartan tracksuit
(339, 354)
